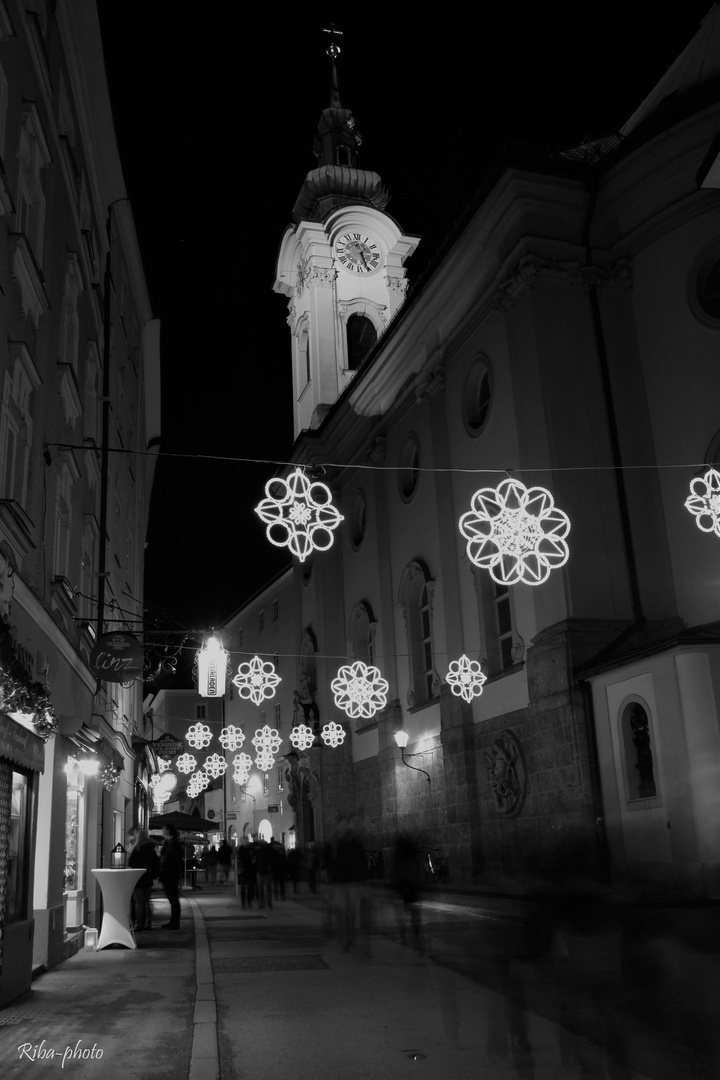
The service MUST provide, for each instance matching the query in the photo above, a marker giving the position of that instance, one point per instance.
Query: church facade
(567, 340)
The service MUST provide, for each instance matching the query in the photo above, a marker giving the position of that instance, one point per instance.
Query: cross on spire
(333, 50)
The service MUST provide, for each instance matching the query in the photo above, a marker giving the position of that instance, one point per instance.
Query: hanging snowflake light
(302, 737)
(299, 514)
(266, 743)
(515, 532)
(163, 765)
(186, 763)
(242, 764)
(215, 765)
(232, 738)
(465, 678)
(198, 782)
(704, 502)
(256, 680)
(109, 776)
(199, 736)
(360, 690)
(155, 780)
(333, 734)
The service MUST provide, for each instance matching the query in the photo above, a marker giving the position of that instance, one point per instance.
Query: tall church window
(303, 359)
(361, 632)
(501, 644)
(16, 427)
(361, 336)
(34, 156)
(639, 757)
(416, 600)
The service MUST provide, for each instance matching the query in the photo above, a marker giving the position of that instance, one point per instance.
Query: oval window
(477, 397)
(358, 520)
(704, 285)
(409, 468)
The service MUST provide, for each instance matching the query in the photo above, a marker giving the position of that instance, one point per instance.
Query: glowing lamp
(118, 858)
(89, 765)
(212, 663)
(402, 738)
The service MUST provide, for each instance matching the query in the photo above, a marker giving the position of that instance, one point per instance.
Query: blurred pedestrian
(294, 865)
(278, 867)
(246, 873)
(263, 871)
(143, 856)
(349, 869)
(224, 858)
(310, 864)
(171, 868)
(406, 882)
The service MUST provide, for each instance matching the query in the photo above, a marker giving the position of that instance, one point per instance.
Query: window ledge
(644, 804)
(496, 675)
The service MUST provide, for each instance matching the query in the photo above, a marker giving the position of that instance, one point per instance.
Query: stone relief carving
(572, 275)
(507, 774)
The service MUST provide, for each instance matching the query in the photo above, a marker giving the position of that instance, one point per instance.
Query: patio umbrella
(183, 822)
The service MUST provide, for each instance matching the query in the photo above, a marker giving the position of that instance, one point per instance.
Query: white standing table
(117, 888)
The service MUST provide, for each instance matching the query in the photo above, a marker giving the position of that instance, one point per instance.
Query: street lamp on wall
(401, 738)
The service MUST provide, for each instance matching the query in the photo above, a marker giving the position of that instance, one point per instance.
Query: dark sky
(215, 110)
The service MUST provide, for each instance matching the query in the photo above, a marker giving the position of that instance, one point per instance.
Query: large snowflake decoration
(266, 743)
(515, 532)
(242, 764)
(231, 737)
(302, 737)
(299, 514)
(465, 678)
(704, 502)
(199, 736)
(215, 765)
(333, 734)
(360, 690)
(186, 763)
(257, 680)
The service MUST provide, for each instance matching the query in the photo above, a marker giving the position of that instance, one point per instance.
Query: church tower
(341, 264)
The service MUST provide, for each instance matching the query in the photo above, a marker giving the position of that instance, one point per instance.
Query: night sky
(215, 111)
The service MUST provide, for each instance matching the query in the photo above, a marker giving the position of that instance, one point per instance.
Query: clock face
(358, 253)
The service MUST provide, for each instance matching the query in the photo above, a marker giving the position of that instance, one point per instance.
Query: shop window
(16, 896)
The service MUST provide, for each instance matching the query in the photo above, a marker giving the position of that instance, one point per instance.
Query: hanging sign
(167, 747)
(117, 657)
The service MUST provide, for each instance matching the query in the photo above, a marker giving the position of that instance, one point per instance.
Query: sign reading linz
(117, 657)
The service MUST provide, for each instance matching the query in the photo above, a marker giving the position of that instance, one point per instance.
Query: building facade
(567, 340)
(79, 424)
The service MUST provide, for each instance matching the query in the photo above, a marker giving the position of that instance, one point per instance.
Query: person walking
(224, 858)
(349, 871)
(143, 856)
(263, 869)
(278, 867)
(246, 873)
(171, 866)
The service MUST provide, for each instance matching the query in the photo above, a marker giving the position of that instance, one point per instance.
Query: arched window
(416, 600)
(637, 743)
(361, 633)
(361, 336)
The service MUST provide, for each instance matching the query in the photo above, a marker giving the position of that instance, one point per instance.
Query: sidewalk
(267, 994)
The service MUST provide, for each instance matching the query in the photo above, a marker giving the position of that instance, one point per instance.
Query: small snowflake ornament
(299, 514)
(199, 736)
(515, 532)
(465, 678)
(198, 782)
(302, 737)
(266, 743)
(332, 734)
(163, 765)
(215, 765)
(231, 737)
(704, 501)
(256, 680)
(242, 764)
(155, 780)
(186, 763)
(360, 690)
